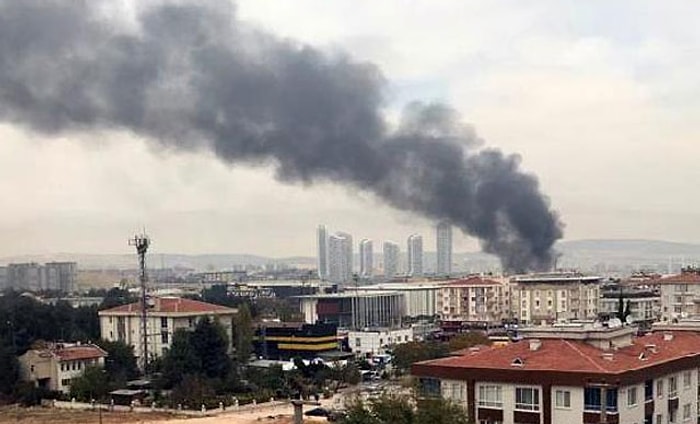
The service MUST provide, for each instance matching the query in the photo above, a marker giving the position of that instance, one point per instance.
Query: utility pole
(142, 242)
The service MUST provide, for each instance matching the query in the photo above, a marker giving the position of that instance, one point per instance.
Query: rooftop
(170, 305)
(71, 352)
(551, 277)
(573, 356)
(685, 277)
(471, 281)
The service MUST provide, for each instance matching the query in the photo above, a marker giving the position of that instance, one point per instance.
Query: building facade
(165, 316)
(366, 258)
(559, 296)
(54, 276)
(680, 295)
(443, 232)
(354, 308)
(644, 305)
(322, 253)
(285, 341)
(340, 258)
(391, 259)
(373, 341)
(474, 299)
(54, 366)
(615, 378)
(415, 255)
(419, 299)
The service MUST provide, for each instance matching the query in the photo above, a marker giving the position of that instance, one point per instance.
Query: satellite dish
(629, 320)
(614, 323)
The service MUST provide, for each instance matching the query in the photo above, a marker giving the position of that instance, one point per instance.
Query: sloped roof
(575, 355)
(682, 278)
(73, 353)
(171, 305)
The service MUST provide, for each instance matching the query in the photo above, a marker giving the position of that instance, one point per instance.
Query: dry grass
(63, 416)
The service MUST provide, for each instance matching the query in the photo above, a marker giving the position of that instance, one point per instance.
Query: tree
(180, 360)
(409, 353)
(467, 340)
(9, 368)
(243, 324)
(397, 409)
(210, 344)
(92, 384)
(117, 297)
(120, 364)
(440, 411)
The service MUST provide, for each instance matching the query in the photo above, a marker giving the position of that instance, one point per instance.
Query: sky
(599, 98)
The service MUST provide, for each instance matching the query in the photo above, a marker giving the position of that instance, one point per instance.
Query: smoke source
(189, 75)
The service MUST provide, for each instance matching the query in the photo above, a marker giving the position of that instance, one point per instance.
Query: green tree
(120, 363)
(181, 359)
(397, 409)
(440, 411)
(9, 368)
(243, 340)
(407, 354)
(467, 340)
(211, 345)
(93, 383)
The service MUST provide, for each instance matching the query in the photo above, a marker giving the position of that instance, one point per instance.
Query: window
(687, 377)
(63, 366)
(686, 412)
(31, 368)
(527, 398)
(592, 399)
(672, 387)
(358, 342)
(163, 322)
(164, 337)
(632, 396)
(659, 419)
(490, 396)
(65, 382)
(429, 387)
(562, 399)
(659, 388)
(649, 390)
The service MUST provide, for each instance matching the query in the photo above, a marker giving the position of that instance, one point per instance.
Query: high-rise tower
(444, 248)
(415, 255)
(340, 258)
(322, 243)
(391, 259)
(366, 258)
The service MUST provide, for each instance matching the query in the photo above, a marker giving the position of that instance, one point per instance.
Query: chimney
(650, 348)
(668, 337)
(535, 344)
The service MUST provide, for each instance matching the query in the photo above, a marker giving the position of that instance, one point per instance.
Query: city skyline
(589, 82)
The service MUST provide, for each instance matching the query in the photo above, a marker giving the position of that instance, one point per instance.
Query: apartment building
(165, 315)
(55, 365)
(644, 305)
(474, 298)
(576, 375)
(550, 297)
(680, 294)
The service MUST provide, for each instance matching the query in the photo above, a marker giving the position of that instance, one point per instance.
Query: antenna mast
(141, 242)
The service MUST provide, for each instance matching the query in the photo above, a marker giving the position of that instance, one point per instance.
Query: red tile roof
(575, 356)
(73, 353)
(471, 281)
(685, 278)
(172, 305)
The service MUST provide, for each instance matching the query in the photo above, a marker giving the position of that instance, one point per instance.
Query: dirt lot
(62, 416)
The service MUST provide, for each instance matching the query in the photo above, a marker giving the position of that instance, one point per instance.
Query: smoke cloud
(189, 75)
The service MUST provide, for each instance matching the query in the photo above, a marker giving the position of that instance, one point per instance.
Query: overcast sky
(600, 98)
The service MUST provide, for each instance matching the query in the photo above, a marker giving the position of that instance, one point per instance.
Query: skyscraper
(366, 259)
(415, 255)
(444, 248)
(322, 243)
(391, 259)
(340, 258)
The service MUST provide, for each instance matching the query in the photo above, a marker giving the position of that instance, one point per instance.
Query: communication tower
(141, 242)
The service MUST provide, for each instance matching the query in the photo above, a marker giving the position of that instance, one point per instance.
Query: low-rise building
(354, 308)
(288, 340)
(419, 299)
(680, 294)
(644, 305)
(165, 315)
(54, 366)
(375, 341)
(575, 374)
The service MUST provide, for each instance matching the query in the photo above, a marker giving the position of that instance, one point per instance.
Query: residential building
(3, 278)
(165, 315)
(644, 305)
(322, 255)
(340, 258)
(419, 299)
(55, 365)
(375, 341)
(288, 340)
(391, 259)
(415, 255)
(557, 296)
(474, 299)
(354, 308)
(443, 233)
(54, 276)
(366, 258)
(25, 276)
(680, 294)
(578, 375)
(60, 276)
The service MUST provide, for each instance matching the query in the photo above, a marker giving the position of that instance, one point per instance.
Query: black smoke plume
(189, 75)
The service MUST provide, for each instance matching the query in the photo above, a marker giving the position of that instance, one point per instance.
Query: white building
(558, 296)
(165, 316)
(473, 299)
(391, 259)
(415, 255)
(354, 308)
(54, 366)
(366, 258)
(644, 305)
(377, 340)
(680, 295)
(32, 276)
(322, 245)
(340, 258)
(420, 299)
(587, 376)
(444, 248)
